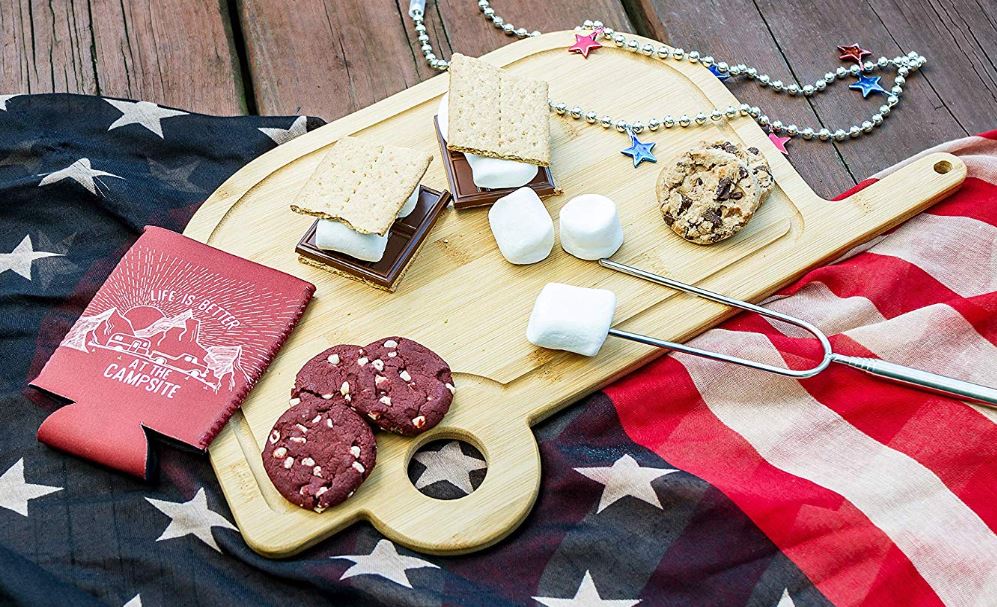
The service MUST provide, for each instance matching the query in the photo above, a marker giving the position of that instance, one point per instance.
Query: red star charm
(779, 142)
(585, 44)
(853, 52)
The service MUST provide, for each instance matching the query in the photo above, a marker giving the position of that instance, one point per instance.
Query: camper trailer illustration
(185, 363)
(123, 342)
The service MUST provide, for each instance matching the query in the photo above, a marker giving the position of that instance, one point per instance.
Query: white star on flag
(586, 596)
(191, 518)
(298, 127)
(136, 601)
(81, 172)
(20, 259)
(786, 600)
(384, 561)
(15, 492)
(145, 113)
(4, 99)
(626, 477)
(448, 464)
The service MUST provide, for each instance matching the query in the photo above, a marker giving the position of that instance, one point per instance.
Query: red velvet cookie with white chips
(319, 452)
(332, 372)
(406, 388)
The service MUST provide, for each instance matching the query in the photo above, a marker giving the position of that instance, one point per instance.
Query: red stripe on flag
(848, 558)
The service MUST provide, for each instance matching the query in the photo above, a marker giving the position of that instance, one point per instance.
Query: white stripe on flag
(948, 543)
(959, 252)
(816, 303)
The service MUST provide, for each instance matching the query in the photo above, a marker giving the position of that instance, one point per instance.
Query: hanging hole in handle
(447, 469)
(942, 166)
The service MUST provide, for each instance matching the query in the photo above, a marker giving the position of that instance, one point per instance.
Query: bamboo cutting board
(464, 301)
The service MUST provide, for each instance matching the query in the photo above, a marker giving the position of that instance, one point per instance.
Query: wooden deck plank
(168, 51)
(690, 24)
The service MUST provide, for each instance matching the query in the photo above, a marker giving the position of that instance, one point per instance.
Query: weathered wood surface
(331, 57)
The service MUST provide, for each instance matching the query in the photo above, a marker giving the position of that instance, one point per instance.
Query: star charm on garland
(852, 52)
(639, 150)
(868, 84)
(720, 75)
(586, 44)
(779, 142)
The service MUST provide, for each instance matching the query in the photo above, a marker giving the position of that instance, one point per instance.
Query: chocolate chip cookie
(752, 157)
(319, 452)
(406, 387)
(707, 195)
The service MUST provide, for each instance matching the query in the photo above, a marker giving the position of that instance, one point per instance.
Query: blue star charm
(639, 151)
(868, 84)
(720, 75)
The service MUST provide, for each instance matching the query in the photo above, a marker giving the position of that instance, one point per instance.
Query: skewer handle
(921, 379)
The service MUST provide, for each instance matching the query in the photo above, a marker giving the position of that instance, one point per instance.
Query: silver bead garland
(904, 64)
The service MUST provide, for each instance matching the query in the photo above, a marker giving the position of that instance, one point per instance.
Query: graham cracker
(496, 114)
(362, 184)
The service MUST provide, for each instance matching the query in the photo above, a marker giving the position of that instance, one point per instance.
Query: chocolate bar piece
(467, 195)
(404, 239)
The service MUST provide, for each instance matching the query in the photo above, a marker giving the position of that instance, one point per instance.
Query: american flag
(687, 483)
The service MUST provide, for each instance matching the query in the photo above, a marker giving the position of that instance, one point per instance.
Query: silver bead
(427, 48)
(488, 11)
(483, 4)
(509, 29)
(678, 54)
(755, 111)
(840, 135)
(716, 115)
(820, 85)
(808, 89)
(764, 80)
(521, 32)
(823, 134)
(684, 120)
(534, 34)
(664, 52)
(903, 72)
(868, 66)
(707, 60)
(877, 119)
(841, 72)
(701, 118)
(829, 77)
(424, 37)
(608, 33)
(885, 110)
(587, 24)
(560, 108)
(777, 126)
(668, 121)
(647, 49)
(637, 127)
(619, 39)
(633, 46)
(751, 72)
(882, 62)
(430, 57)
(777, 86)
(744, 109)
(807, 133)
(498, 22)
(900, 81)
(734, 71)
(597, 25)
(897, 90)
(576, 112)
(855, 70)
(892, 100)
(867, 127)
(854, 131)
(722, 67)
(590, 117)
(730, 112)
(693, 56)
(620, 125)
(912, 55)
(762, 120)
(792, 130)
(606, 121)
(653, 124)
(793, 89)
(420, 28)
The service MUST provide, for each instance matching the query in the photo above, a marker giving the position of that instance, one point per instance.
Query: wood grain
(464, 301)
(167, 51)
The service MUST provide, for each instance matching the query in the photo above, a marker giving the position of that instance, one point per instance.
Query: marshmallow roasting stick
(917, 378)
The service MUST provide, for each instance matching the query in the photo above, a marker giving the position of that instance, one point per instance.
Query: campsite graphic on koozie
(172, 343)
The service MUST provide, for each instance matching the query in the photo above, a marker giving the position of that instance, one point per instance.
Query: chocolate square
(405, 237)
(467, 195)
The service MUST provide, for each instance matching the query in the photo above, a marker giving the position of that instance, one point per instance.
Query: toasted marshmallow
(489, 173)
(522, 227)
(574, 319)
(339, 237)
(590, 227)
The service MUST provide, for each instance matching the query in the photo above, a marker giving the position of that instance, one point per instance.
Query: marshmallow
(590, 227)
(337, 236)
(570, 318)
(489, 173)
(522, 227)
(409, 206)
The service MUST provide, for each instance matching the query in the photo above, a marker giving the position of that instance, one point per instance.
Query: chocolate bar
(404, 239)
(466, 195)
